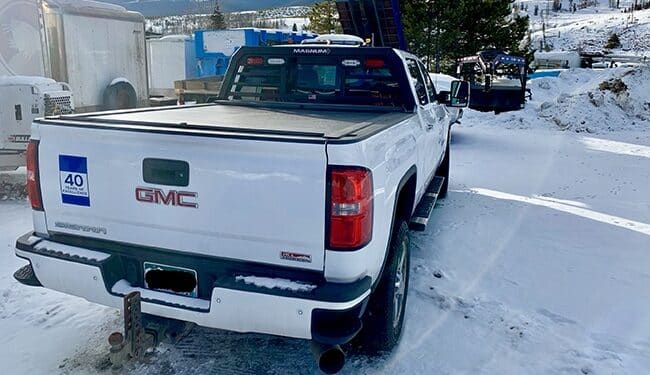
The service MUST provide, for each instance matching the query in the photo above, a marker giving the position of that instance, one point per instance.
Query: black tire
(120, 95)
(443, 169)
(384, 317)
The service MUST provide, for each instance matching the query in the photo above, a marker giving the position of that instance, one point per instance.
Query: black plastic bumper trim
(126, 263)
(337, 327)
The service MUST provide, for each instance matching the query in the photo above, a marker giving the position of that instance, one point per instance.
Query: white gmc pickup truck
(282, 208)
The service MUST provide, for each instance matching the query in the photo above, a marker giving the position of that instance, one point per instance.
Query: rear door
(240, 199)
(429, 117)
(442, 115)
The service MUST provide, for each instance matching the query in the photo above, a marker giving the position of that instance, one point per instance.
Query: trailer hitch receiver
(134, 342)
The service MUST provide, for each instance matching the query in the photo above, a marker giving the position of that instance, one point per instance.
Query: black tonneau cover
(244, 120)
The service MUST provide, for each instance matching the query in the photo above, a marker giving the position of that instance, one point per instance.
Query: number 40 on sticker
(74, 180)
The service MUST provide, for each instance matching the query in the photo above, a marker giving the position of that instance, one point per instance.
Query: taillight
(255, 61)
(33, 182)
(375, 63)
(350, 208)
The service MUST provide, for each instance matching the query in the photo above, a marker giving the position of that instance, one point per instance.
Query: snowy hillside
(589, 28)
(283, 18)
(158, 8)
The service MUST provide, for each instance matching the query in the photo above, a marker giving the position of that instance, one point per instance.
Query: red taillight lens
(375, 63)
(350, 210)
(255, 61)
(33, 183)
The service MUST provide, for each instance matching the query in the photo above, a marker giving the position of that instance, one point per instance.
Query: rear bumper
(329, 313)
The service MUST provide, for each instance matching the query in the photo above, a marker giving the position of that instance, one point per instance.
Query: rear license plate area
(170, 279)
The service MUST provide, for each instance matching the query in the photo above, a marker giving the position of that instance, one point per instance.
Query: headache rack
(318, 74)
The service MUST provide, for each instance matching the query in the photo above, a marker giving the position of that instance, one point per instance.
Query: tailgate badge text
(169, 198)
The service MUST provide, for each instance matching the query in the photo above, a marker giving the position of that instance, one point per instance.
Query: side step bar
(422, 213)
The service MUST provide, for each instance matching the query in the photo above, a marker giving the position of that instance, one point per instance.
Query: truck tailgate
(253, 200)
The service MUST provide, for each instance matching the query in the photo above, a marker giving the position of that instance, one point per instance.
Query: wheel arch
(402, 209)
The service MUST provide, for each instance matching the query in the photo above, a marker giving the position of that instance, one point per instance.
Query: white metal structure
(23, 99)
(336, 39)
(556, 59)
(170, 58)
(85, 43)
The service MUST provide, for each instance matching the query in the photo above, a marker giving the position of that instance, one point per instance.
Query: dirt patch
(12, 186)
(615, 85)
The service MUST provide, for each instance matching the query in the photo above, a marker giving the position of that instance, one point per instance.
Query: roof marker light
(351, 63)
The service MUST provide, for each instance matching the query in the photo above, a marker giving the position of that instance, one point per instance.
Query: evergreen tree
(324, 18)
(613, 42)
(217, 20)
(441, 31)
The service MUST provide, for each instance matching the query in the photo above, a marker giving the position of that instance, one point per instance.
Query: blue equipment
(214, 48)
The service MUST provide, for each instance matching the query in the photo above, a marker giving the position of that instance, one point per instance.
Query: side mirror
(443, 97)
(459, 94)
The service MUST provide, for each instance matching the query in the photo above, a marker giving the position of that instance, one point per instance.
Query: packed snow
(536, 262)
(276, 283)
(582, 100)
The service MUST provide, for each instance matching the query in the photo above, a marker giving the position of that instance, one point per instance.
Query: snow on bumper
(238, 306)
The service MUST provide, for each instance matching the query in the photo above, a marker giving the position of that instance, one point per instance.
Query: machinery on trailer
(497, 80)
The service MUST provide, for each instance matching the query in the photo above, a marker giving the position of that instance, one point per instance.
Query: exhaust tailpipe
(330, 358)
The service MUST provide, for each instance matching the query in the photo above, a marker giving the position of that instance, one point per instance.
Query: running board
(422, 213)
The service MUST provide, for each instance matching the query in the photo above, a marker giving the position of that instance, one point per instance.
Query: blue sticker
(73, 171)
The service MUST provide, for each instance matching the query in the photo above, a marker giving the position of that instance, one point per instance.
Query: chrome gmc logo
(170, 198)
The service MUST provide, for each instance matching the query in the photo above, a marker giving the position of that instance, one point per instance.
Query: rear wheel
(384, 317)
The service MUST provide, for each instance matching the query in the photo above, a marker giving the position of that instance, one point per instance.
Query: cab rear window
(369, 81)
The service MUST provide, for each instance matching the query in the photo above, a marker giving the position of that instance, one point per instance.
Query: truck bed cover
(239, 119)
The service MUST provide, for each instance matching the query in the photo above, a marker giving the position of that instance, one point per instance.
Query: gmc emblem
(170, 198)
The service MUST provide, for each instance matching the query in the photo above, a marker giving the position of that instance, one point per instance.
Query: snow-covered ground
(538, 262)
(582, 100)
(588, 29)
